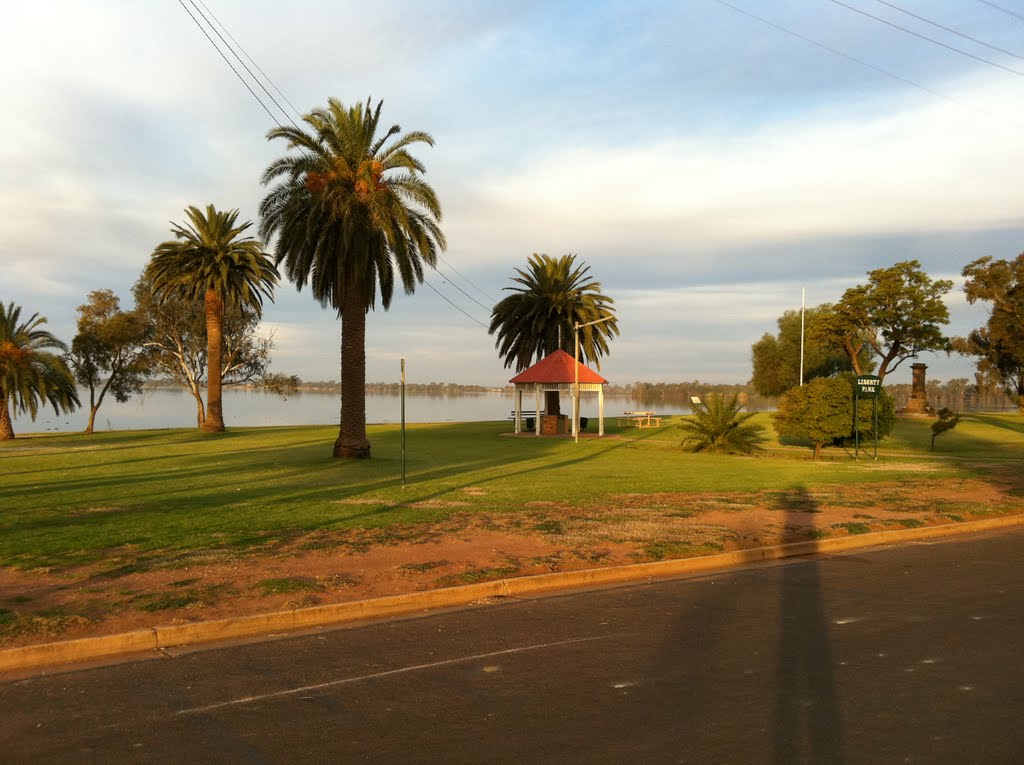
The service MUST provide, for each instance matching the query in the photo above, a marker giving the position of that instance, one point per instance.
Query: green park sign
(868, 385)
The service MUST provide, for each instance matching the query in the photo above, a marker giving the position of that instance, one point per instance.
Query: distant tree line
(681, 393)
(437, 389)
(957, 394)
(644, 392)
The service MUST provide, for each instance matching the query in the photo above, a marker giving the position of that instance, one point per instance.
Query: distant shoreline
(659, 393)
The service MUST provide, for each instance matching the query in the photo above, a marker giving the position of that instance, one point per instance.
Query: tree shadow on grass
(994, 421)
(208, 501)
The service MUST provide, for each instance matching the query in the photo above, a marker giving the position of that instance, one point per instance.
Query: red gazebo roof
(557, 368)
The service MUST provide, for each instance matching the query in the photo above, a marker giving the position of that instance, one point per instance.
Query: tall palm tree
(210, 259)
(29, 373)
(539, 317)
(349, 209)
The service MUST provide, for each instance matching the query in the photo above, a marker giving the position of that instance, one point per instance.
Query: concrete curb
(139, 641)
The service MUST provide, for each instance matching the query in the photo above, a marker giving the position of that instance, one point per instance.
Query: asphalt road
(893, 655)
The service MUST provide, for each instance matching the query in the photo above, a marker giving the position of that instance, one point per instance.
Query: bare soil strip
(338, 566)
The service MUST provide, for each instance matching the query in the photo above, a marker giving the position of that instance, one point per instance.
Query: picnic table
(639, 420)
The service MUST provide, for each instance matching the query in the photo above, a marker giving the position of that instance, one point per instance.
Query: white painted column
(575, 412)
(519, 409)
(600, 409)
(537, 406)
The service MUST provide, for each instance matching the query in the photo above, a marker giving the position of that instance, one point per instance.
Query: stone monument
(918, 403)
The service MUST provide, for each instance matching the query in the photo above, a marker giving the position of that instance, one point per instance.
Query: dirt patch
(132, 590)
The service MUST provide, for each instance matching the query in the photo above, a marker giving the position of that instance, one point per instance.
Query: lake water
(170, 408)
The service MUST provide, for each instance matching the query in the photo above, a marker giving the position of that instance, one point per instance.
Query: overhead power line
(266, 77)
(205, 25)
(244, 65)
(226, 61)
(830, 49)
(1007, 11)
(456, 286)
(932, 40)
(950, 30)
(470, 283)
(454, 305)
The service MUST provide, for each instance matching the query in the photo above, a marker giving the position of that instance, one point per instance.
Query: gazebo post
(537, 387)
(600, 410)
(519, 410)
(575, 411)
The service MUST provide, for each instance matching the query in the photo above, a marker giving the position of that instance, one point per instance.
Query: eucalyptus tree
(549, 298)
(108, 354)
(210, 258)
(30, 372)
(176, 346)
(776, 358)
(896, 316)
(350, 211)
(999, 344)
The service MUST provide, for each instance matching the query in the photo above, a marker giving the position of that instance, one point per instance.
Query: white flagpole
(803, 303)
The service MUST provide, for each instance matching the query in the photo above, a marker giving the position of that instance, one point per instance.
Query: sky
(705, 164)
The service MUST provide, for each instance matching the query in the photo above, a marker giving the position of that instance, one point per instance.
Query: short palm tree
(539, 317)
(29, 373)
(719, 426)
(349, 209)
(209, 258)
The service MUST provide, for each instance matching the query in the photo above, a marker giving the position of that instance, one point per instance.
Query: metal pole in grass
(403, 423)
(856, 422)
(576, 384)
(874, 408)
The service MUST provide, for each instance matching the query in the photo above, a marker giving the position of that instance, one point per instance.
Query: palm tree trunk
(352, 442)
(6, 426)
(214, 422)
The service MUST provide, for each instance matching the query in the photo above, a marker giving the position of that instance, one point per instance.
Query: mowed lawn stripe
(74, 499)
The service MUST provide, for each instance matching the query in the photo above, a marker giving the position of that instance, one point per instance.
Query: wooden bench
(529, 417)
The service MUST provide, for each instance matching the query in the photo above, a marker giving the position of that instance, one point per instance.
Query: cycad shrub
(720, 426)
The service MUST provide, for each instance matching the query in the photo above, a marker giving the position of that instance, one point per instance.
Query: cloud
(704, 175)
(832, 174)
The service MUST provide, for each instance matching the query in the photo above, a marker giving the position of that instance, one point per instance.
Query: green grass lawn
(67, 500)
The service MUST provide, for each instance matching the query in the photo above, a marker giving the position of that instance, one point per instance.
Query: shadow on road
(807, 722)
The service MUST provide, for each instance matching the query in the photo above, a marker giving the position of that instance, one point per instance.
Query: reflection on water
(173, 408)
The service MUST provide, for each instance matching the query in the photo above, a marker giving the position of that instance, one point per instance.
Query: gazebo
(556, 372)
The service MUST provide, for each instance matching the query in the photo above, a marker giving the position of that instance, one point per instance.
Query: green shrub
(822, 412)
(948, 419)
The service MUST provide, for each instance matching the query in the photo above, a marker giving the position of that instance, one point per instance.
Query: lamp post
(576, 371)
